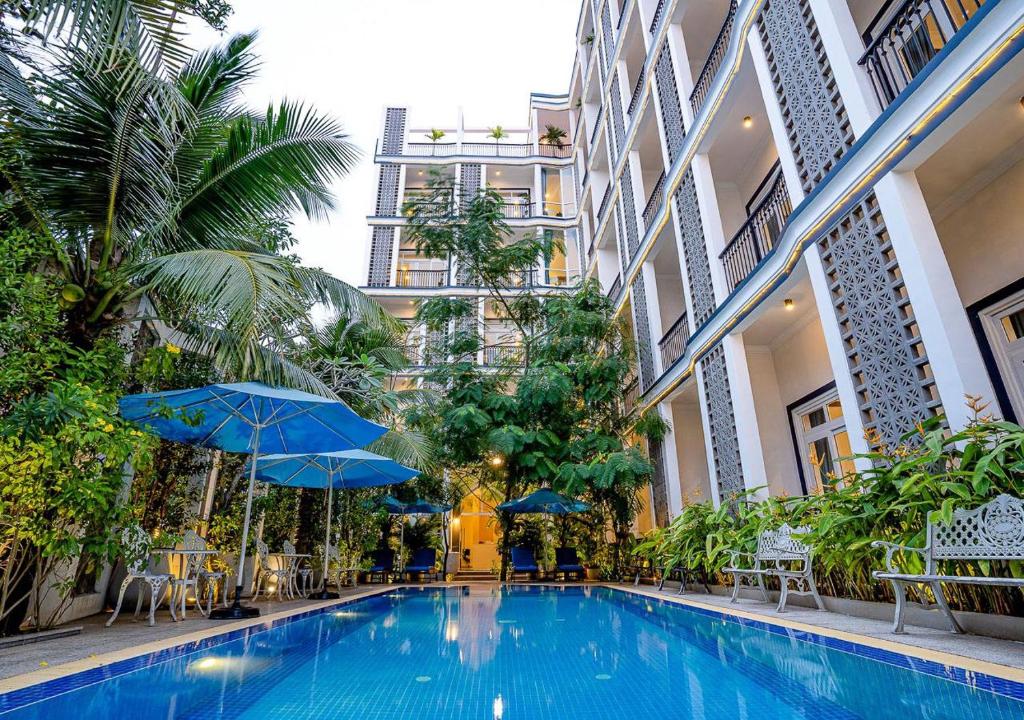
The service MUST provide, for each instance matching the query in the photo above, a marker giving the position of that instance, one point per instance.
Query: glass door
(823, 442)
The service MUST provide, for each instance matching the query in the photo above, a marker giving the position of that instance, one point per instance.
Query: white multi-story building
(812, 212)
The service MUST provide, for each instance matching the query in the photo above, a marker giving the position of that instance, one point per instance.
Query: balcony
(654, 201)
(673, 344)
(517, 210)
(421, 278)
(616, 286)
(509, 150)
(634, 100)
(554, 151)
(431, 149)
(904, 36)
(764, 224)
(502, 354)
(702, 86)
(604, 202)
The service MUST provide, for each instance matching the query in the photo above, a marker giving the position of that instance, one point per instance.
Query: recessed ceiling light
(748, 122)
(788, 303)
(497, 172)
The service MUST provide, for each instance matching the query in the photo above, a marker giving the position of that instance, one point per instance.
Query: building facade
(809, 210)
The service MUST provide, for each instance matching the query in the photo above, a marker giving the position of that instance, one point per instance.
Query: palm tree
(434, 135)
(554, 135)
(149, 178)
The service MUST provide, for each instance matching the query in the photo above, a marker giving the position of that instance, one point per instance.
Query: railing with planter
(756, 239)
(635, 97)
(673, 344)
(904, 36)
(421, 278)
(654, 201)
(554, 151)
(498, 149)
(702, 87)
(656, 20)
(616, 285)
(431, 149)
(516, 211)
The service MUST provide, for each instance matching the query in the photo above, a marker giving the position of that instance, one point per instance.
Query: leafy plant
(554, 135)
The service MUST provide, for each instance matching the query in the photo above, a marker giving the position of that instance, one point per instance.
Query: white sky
(349, 58)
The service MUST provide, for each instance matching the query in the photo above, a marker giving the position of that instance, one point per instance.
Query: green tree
(553, 413)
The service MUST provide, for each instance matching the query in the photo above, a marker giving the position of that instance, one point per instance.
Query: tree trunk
(307, 515)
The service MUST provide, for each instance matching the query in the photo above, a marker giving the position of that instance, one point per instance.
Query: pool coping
(25, 689)
(994, 677)
(28, 688)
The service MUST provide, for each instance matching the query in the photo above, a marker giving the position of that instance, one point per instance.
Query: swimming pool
(525, 653)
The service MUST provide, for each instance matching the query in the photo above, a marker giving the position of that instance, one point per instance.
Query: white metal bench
(993, 531)
(778, 555)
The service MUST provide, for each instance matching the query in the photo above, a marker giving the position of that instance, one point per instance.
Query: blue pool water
(525, 653)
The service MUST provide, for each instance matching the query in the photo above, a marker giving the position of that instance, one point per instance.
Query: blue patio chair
(383, 565)
(523, 562)
(423, 563)
(567, 562)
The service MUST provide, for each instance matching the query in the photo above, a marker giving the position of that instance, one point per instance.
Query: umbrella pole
(237, 611)
(401, 543)
(323, 594)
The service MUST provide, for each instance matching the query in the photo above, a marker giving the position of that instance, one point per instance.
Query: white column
(711, 221)
(747, 433)
(709, 450)
(670, 454)
(653, 314)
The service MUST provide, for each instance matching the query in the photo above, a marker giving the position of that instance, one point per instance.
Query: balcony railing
(654, 201)
(673, 343)
(631, 393)
(604, 202)
(635, 97)
(413, 278)
(597, 126)
(502, 354)
(658, 11)
(702, 87)
(517, 211)
(496, 149)
(616, 285)
(431, 149)
(757, 237)
(554, 151)
(904, 36)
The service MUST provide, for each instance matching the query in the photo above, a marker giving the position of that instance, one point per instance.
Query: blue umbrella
(344, 469)
(416, 507)
(544, 501)
(250, 418)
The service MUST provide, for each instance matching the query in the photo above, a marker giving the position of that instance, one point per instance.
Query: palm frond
(407, 447)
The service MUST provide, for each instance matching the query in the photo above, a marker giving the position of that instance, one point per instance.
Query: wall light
(788, 303)
(748, 122)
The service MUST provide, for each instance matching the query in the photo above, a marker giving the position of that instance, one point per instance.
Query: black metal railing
(904, 36)
(673, 343)
(634, 99)
(431, 149)
(658, 11)
(604, 202)
(702, 87)
(498, 149)
(591, 250)
(503, 354)
(759, 233)
(616, 286)
(631, 393)
(654, 201)
(427, 208)
(554, 151)
(516, 211)
(421, 278)
(597, 125)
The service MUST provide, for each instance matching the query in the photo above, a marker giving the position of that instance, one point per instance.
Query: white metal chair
(280, 574)
(206, 579)
(135, 543)
(297, 572)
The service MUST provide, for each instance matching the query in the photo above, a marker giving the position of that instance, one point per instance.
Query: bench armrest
(890, 551)
(735, 555)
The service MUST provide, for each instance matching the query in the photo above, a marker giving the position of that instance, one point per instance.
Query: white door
(1004, 327)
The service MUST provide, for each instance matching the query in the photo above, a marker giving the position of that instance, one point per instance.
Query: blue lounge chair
(383, 565)
(567, 562)
(523, 562)
(423, 563)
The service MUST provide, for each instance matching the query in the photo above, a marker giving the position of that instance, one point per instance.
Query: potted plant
(498, 133)
(554, 135)
(434, 135)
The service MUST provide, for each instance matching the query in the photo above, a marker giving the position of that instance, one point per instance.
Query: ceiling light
(748, 122)
(497, 172)
(788, 303)
(420, 172)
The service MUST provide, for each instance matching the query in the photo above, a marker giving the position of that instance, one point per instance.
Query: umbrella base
(235, 612)
(324, 595)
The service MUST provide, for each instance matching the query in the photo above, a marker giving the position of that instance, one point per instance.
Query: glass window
(823, 441)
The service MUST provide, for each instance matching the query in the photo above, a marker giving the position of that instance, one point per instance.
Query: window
(823, 445)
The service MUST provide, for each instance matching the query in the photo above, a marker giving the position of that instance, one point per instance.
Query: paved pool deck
(97, 645)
